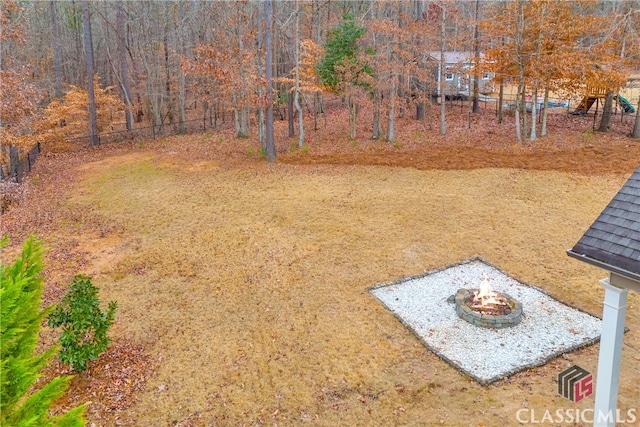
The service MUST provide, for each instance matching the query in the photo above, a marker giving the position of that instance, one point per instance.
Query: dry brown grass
(246, 283)
(249, 285)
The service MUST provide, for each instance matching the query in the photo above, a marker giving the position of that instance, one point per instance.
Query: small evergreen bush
(21, 287)
(84, 325)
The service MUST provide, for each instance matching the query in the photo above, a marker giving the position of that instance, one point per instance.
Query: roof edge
(622, 272)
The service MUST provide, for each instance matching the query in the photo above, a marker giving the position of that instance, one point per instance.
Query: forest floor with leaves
(242, 286)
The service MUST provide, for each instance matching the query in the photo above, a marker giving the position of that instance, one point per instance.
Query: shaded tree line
(163, 59)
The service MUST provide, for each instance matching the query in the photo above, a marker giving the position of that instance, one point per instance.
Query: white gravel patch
(548, 328)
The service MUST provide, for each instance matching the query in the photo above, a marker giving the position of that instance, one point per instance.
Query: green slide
(626, 105)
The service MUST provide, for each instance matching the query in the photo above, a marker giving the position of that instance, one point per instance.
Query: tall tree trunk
(521, 101)
(636, 126)
(605, 121)
(523, 111)
(297, 96)
(296, 101)
(290, 113)
(391, 119)
(179, 44)
(261, 130)
(545, 111)
(236, 117)
(124, 65)
(242, 128)
(353, 117)
(393, 92)
(290, 90)
(375, 134)
(376, 130)
(319, 110)
(244, 121)
(443, 117)
(476, 77)
(57, 62)
(534, 113)
(182, 117)
(167, 71)
(500, 101)
(417, 86)
(399, 91)
(80, 70)
(420, 110)
(269, 137)
(517, 112)
(400, 83)
(88, 50)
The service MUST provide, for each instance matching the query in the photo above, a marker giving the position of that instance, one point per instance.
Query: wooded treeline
(162, 62)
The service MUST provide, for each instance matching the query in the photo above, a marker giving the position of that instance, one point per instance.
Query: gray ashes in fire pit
(548, 327)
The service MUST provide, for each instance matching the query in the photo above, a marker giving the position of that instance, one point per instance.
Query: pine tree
(341, 50)
(342, 70)
(21, 287)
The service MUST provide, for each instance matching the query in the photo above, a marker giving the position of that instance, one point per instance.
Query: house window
(448, 77)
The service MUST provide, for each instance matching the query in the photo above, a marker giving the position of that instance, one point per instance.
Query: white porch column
(613, 313)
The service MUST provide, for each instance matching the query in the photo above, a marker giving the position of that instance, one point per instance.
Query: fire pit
(491, 353)
(488, 309)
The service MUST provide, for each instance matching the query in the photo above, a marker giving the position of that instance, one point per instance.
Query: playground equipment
(625, 105)
(585, 105)
(594, 95)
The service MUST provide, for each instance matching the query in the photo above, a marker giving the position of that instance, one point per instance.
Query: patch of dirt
(109, 386)
(584, 160)
(571, 146)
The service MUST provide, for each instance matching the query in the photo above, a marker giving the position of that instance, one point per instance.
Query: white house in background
(457, 78)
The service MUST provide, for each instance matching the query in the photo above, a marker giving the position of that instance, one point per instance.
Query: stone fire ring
(548, 328)
(487, 320)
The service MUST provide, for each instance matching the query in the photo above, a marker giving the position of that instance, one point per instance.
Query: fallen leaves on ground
(109, 386)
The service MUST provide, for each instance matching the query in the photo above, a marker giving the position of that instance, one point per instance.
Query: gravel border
(548, 329)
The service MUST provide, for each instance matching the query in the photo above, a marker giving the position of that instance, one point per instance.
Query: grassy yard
(242, 287)
(246, 284)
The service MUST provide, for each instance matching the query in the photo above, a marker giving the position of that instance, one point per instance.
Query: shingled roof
(613, 240)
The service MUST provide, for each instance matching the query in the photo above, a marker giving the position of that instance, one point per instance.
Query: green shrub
(21, 287)
(84, 325)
